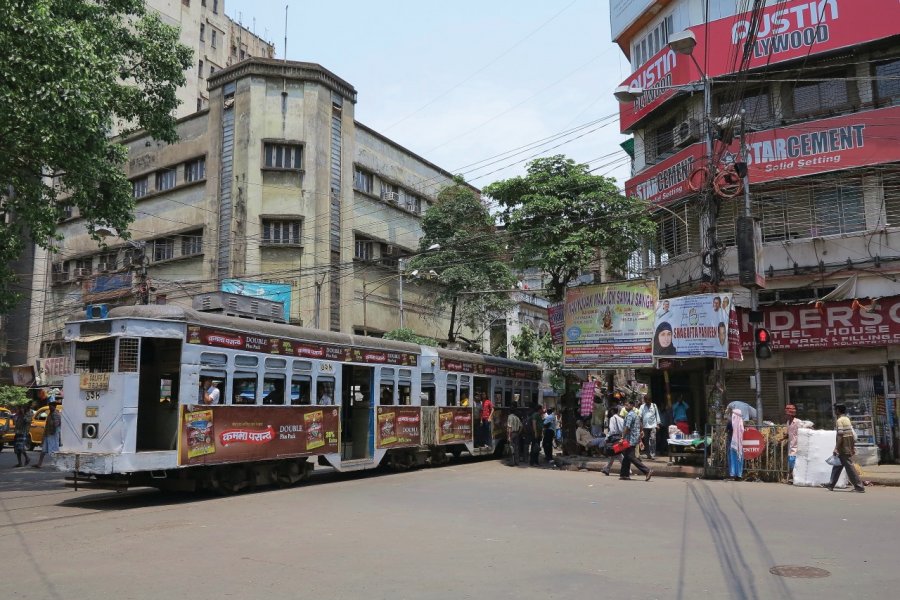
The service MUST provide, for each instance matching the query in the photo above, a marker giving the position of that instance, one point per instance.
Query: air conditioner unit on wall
(686, 132)
(392, 197)
(82, 273)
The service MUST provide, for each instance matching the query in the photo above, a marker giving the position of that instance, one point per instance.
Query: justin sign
(786, 31)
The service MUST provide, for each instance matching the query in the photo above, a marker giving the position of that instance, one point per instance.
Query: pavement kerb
(660, 468)
(890, 478)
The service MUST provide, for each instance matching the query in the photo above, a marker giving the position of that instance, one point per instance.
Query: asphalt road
(470, 530)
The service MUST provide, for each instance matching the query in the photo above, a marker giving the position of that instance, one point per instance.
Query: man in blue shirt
(631, 431)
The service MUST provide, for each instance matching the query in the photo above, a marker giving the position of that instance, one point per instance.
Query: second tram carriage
(136, 413)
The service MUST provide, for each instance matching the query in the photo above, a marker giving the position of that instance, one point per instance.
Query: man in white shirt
(650, 422)
(325, 395)
(210, 393)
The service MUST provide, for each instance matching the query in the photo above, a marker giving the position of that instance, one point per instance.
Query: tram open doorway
(356, 412)
(157, 418)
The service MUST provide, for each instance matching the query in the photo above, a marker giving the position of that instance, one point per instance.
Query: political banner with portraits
(693, 326)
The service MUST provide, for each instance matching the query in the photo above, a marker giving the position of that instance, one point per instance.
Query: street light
(400, 264)
(141, 246)
(398, 275)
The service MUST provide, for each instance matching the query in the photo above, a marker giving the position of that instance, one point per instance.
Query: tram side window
(301, 390)
(465, 399)
(427, 396)
(273, 389)
(451, 395)
(218, 382)
(95, 357)
(386, 395)
(244, 388)
(404, 393)
(325, 390)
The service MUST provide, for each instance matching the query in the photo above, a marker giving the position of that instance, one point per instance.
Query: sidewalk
(887, 475)
(882, 474)
(660, 465)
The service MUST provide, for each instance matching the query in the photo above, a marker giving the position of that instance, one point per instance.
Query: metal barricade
(771, 465)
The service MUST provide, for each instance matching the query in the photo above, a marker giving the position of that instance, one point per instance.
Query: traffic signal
(762, 343)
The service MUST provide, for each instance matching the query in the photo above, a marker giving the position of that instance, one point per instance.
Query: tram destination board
(247, 433)
(290, 347)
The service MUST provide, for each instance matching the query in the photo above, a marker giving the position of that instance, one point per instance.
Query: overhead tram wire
(483, 68)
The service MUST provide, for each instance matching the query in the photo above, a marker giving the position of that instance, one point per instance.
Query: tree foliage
(469, 259)
(12, 395)
(72, 72)
(539, 349)
(405, 334)
(558, 216)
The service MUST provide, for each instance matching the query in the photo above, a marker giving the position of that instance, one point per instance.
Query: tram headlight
(90, 431)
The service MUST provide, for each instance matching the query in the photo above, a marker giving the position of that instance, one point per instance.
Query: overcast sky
(466, 81)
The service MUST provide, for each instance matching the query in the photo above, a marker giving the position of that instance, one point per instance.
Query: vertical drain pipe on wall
(226, 172)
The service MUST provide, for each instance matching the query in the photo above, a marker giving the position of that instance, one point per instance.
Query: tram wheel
(229, 480)
(287, 473)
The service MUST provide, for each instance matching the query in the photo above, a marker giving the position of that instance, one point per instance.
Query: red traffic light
(762, 343)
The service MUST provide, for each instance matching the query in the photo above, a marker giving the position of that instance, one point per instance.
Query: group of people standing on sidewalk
(628, 427)
(540, 430)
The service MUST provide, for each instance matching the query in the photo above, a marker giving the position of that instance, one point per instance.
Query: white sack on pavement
(813, 449)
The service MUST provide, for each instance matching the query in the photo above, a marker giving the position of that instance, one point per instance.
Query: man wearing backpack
(650, 423)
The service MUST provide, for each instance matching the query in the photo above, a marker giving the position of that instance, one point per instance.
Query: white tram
(135, 411)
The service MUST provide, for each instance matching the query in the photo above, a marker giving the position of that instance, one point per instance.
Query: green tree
(539, 349)
(469, 259)
(11, 395)
(561, 218)
(558, 216)
(72, 72)
(406, 334)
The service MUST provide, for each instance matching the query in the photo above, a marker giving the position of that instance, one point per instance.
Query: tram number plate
(92, 396)
(326, 368)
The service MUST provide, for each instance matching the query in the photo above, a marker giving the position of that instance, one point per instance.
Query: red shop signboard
(786, 31)
(845, 142)
(833, 325)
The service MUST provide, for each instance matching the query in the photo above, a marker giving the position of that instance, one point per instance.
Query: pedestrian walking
(631, 432)
(549, 434)
(535, 429)
(650, 422)
(21, 425)
(844, 449)
(513, 433)
(616, 425)
(735, 429)
(793, 432)
(52, 427)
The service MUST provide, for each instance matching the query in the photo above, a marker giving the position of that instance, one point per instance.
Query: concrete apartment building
(819, 87)
(218, 41)
(275, 181)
